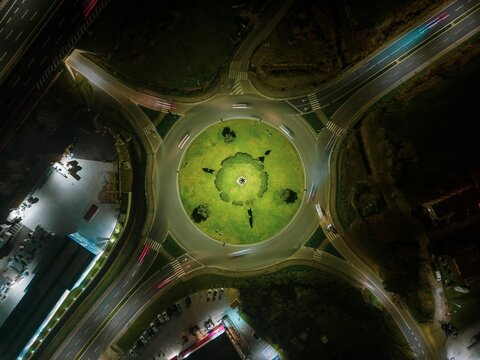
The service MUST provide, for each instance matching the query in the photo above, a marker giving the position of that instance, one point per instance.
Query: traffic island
(241, 181)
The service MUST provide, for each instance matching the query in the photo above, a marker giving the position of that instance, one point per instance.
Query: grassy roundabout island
(241, 181)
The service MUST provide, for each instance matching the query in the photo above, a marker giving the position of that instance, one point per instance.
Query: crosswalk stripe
(152, 244)
(331, 236)
(313, 101)
(237, 88)
(177, 268)
(334, 128)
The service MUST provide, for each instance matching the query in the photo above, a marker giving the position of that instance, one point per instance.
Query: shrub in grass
(200, 213)
(224, 196)
(288, 195)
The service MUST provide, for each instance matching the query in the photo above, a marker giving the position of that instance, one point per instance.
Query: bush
(224, 196)
(288, 196)
(200, 213)
(229, 135)
(263, 184)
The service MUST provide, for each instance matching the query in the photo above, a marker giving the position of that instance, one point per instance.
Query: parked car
(220, 294)
(160, 318)
(209, 295)
(215, 292)
(165, 316)
(153, 327)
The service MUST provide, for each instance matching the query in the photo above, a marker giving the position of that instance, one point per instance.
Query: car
(157, 322)
(209, 295)
(147, 334)
(255, 335)
(165, 316)
(240, 253)
(215, 295)
(179, 308)
(184, 140)
(240, 106)
(332, 229)
(220, 294)
(160, 318)
(286, 130)
(143, 339)
(153, 327)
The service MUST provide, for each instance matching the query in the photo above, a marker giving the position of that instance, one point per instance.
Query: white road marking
(124, 284)
(3, 56)
(76, 342)
(116, 294)
(105, 307)
(96, 349)
(61, 22)
(461, 6)
(25, 13)
(86, 330)
(10, 18)
(10, 33)
(33, 16)
(21, 31)
(16, 10)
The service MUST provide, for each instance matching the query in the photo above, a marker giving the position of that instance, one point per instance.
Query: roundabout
(241, 181)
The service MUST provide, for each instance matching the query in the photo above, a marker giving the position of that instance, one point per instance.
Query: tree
(229, 135)
(288, 196)
(200, 213)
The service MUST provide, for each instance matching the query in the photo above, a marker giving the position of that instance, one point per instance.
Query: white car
(165, 316)
(160, 318)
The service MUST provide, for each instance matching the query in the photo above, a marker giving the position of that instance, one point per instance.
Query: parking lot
(174, 335)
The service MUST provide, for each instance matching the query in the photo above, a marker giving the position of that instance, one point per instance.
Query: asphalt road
(355, 91)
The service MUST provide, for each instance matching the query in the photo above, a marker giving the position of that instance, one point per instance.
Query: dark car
(215, 292)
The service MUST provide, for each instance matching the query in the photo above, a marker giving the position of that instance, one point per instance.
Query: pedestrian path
(313, 99)
(237, 88)
(149, 129)
(177, 268)
(152, 244)
(236, 74)
(332, 127)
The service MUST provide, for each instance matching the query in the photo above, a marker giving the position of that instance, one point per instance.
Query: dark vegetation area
(301, 308)
(320, 38)
(415, 145)
(175, 47)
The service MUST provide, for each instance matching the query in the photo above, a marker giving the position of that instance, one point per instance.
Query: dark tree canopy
(200, 213)
(288, 196)
(229, 135)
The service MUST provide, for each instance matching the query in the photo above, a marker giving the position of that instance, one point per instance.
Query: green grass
(228, 221)
(316, 238)
(313, 120)
(172, 247)
(166, 124)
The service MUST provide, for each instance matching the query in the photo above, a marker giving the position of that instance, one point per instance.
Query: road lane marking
(96, 317)
(76, 342)
(25, 13)
(16, 82)
(124, 284)
(61, 22)
(16, 10)
(86, 330)
(461, 6)
(59, 38)
(21, 31)
(3, 56)
(33, 16)
(96, 349)
(116, 294)
(43, 60)
(10, 33)
(10, 18)
(67, 353)
(105, 307)
(46, 42)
